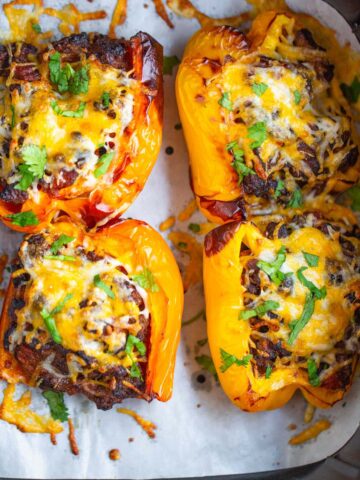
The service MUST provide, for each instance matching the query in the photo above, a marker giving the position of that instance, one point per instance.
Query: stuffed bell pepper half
(96, 313)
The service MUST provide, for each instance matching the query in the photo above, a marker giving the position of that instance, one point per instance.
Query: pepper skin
(115, 283)
(251, 115)
(320, 359)
(98, 158)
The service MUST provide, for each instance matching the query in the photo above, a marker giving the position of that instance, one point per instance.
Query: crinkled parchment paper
(199, 431)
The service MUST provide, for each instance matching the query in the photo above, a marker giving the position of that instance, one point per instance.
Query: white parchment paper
(199, 431)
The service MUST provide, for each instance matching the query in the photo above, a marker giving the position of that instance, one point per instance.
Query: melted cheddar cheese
(93, 323)
(73, 145)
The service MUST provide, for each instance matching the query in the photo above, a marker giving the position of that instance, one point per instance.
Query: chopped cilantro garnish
(351, 92)
(61, 258)
(202, 342)
(311, 260)
(12, 122)
(225, 101)
(105, 99)
(100, 284)
(273, 269)
(354, 194)
(33, 168)
(318, 293)
(66, 78)
(24, 219)
(169, 63)
(104, 163)
(257, 132)
(238, 163)
(58, 409)
(259, 311)
(194, 227)
(36, 27)
(49, 319)
(206, 362)
(182, 245)
(297, 325)
(227, 360)
(280, 186)
(296, 200)
(297, 97)
(131, 343)
(60, 242)
(78, 113)
(314, 379)
(268, 371)
(259, 88)
(146, 280)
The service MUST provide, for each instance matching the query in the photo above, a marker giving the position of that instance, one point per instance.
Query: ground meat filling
(288, 163)
(107, 366)
(268, 341)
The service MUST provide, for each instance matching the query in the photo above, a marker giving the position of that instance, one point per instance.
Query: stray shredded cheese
(186, 243)
(19, 413)
(166, 224)
(189, 210)
(146, 425)
(311, 432)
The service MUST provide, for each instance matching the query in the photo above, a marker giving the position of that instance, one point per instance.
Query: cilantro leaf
(194, 227)
(50, 324)
(259, 88)
(35, 157)
(100, 284)
(314, 379)
(169, 63)
(146, 280)
(351, 92)
(78, 113)
(60, 242)
(225, 101)
(135, 371)
(296, 200)
(319, 293)
(260, 310)
(36, 27)
(268, 371)
(257, 132)
(24, 219)
(26, 179)
(58, 409)
(61, 258)
(238, 163)
(280, 186)
(273, 269)
(104, 164)
(206, 362)
(66, 78)
(105, 99)
(228, 360)
(55, 67)
(354, 194)
(132, 342)
(297, 325)
(297, 97)
(79, 81)
(61, 305)
(311, 260)
(49, 319)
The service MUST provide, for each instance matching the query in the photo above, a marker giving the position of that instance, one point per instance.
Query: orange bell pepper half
(83, 127)
(94, 312)
(282, 307)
